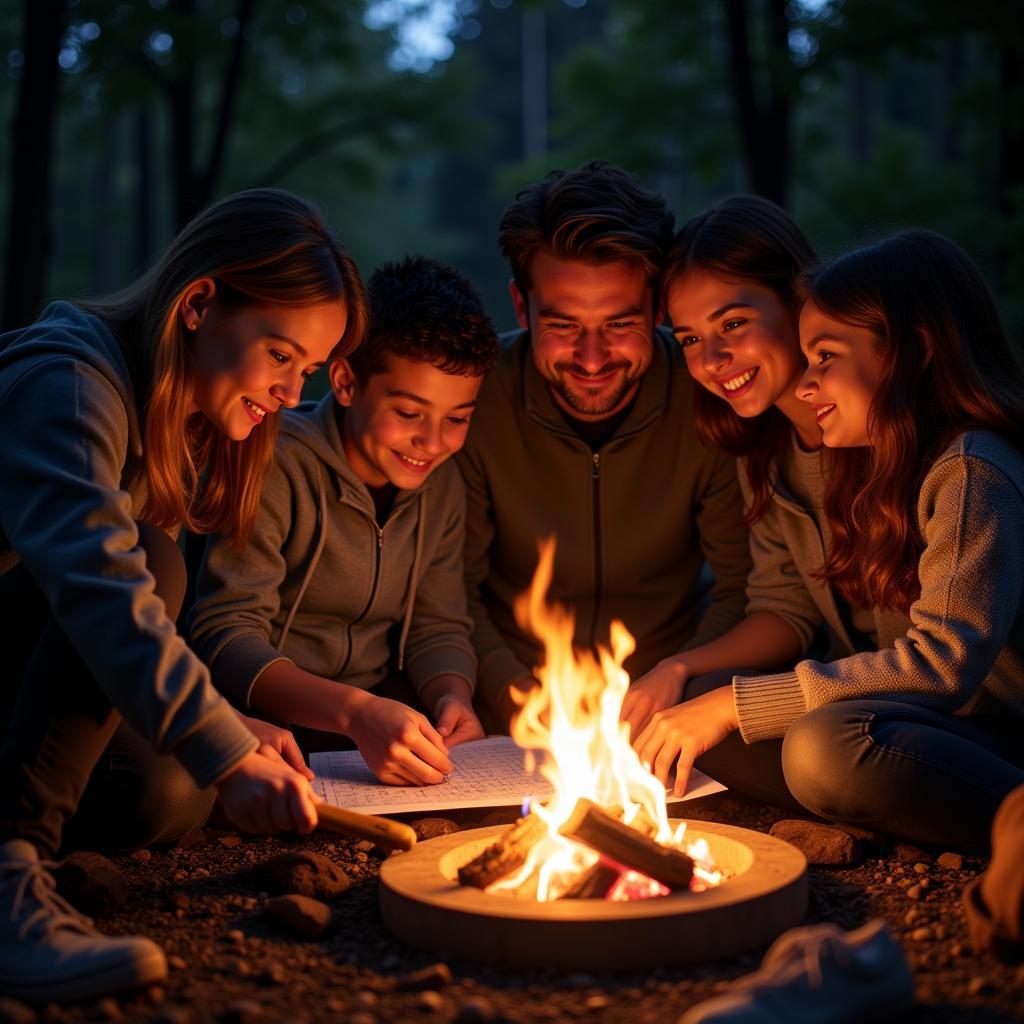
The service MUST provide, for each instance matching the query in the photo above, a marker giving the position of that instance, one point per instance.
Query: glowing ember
(570, 723)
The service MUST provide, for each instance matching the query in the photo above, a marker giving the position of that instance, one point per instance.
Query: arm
(970, 599)
(499, 669)
(62, 509)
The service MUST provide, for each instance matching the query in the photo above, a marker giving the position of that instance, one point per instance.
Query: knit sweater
(634, 520)
(72, 466)
(963, 649)
(324, 585)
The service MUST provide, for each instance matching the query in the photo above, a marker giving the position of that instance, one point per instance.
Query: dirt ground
(231, 963)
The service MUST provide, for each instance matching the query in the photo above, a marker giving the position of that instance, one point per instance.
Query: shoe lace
(810, 951)
(53, 912)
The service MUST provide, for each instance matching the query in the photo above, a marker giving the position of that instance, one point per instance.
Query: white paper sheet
(488, 773)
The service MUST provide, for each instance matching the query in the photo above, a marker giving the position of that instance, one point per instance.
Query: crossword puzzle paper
(488, 773)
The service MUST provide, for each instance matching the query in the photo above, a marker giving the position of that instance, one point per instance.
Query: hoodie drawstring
(411, 600)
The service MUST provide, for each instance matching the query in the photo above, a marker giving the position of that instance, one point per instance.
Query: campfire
(605, 833)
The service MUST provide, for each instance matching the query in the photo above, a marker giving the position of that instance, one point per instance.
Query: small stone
(474, 1010)
(364, 845)
(243, 1011)
(436, 976)
(235, 935)
(957, 949)
(177, 963)
(596, 1002)
(308, 874)
(921, 868)
(820, 844)
(952, 861)
(229, 841)
(429, 1001)
(172, 1014)
(273, 974)
(914, 892)
(362, 1017)
(978, 984)
(911, 916)
(302, 915)
(14, 1012)
(109, 1009)
(912, 854)
(922, 934)
(156, 995)
(91, 883)
(924, 883)
(142, 856)
(431, 828)
(364, 1000)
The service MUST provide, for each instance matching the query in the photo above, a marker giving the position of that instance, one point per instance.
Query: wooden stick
(391, 835)
(593, 884)
(506, 855)
(590, 825)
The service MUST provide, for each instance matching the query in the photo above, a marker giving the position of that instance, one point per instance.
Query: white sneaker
(818, 974)
(50, 951)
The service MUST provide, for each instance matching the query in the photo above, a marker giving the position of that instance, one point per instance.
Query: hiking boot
(818, 974)
(48, 951)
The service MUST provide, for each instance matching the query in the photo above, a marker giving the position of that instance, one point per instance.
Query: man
(583, 431)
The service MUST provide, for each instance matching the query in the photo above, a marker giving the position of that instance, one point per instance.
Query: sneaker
(818, 974)
(48, 951)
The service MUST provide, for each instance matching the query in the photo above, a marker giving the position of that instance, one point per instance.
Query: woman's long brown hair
(947, 368)
(263, 247)
(744, 238)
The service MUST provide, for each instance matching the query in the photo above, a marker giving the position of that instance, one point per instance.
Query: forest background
(413, 122)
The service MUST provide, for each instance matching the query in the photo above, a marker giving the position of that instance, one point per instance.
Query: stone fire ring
(423, 904)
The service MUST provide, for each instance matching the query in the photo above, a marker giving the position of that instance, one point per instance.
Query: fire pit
(597, 877)
(423, 903)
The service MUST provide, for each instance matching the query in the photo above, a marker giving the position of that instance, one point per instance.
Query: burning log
(590, 825)
(593, 884)
(506, 855)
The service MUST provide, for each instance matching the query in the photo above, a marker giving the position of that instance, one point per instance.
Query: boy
(350, 590)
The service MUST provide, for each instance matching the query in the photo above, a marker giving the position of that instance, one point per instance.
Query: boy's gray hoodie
(71, 480)
(321, 584)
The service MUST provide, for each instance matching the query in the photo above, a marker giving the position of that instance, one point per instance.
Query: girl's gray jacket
(71, 480)
(961, 650)
(325, 586)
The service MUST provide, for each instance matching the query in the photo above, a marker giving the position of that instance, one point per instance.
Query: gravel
(231, 963)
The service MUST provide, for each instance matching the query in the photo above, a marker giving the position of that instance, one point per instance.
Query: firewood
(507, 854)
(590, 825)
(593, 884)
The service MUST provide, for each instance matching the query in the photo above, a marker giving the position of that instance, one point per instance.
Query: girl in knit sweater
(918, 730)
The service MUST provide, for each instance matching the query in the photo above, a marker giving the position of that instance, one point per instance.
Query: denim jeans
(885, 765)
(66, 757)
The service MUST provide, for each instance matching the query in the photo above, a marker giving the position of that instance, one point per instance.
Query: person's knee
(817, 762)
(169, 805)
(166, 564)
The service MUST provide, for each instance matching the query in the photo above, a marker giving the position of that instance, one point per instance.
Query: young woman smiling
(921, 399)
(123, 419)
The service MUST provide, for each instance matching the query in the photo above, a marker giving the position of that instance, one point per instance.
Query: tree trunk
(29, 227)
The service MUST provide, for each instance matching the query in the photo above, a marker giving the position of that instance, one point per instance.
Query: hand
(263, 794)
(399, 744)
(661, 688)
(681, 734)
(456, 721)
(280, 739)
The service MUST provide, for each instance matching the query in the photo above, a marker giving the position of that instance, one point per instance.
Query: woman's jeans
(66, 757)
(887, 766)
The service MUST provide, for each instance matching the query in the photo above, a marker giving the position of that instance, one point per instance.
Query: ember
(605, 833)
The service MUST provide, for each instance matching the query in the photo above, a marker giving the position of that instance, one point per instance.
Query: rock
(914, 892)
(429, 1001)
(474, 1010)
(912, 854)
(362, 1017)
(273, 974)
(595, 1002)
(505, 817)
(302, 915)
(952, 861)
(235, 935)
(91, 883)
(978, 984)
(177, 963)
(922, 934)
(868, 840)
(229, 841)
(109, 1009)
(436, 976)
(13, 1012)
(364, 1000)
(142, 856)
(820, 844)
(431, 828)
(308, 874)
(172, 1014)
(921, 868)
(911, 916)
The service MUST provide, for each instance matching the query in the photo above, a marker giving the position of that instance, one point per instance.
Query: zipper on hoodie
(596, 485)
(369, 601)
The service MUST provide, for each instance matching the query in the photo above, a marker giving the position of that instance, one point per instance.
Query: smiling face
(739, 339)
(843, 373)
(591, 328)
(400, 425)
(251, 360)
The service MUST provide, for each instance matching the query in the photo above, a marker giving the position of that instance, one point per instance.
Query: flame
(569, 726)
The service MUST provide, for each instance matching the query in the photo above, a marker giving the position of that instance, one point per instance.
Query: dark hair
(597, 213)
(426, 311)
(744, 237)
(265, 247)
(947, 368)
